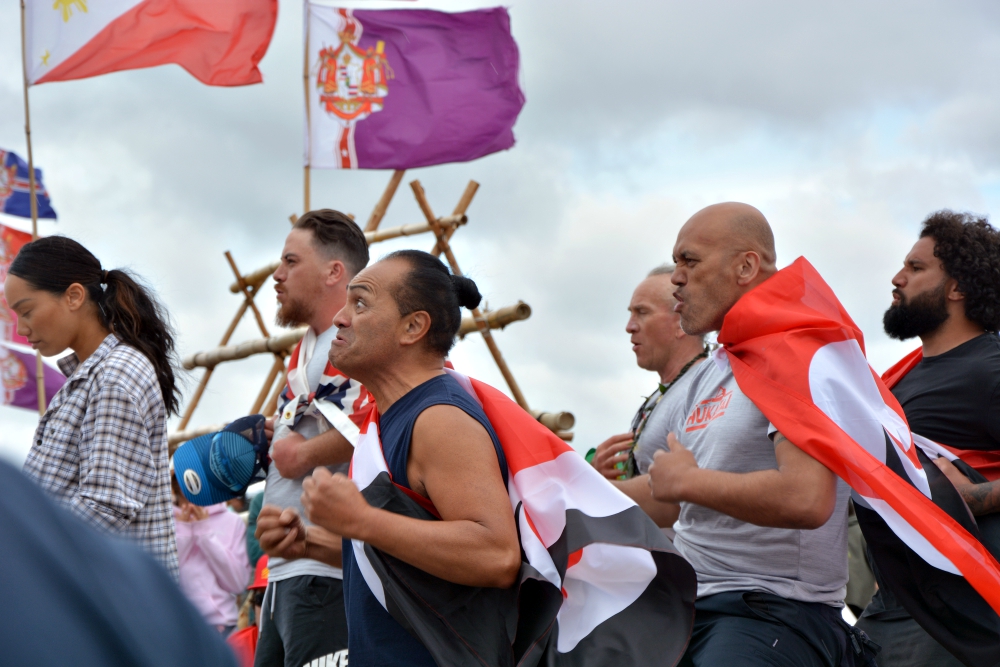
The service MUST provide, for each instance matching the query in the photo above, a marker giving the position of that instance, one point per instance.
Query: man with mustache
(303, 618)
(763, 523)
(948, 295)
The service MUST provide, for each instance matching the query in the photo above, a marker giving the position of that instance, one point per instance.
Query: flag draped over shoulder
(599, 584)
(398, 89)
(796, 353)
(219, 42)
(15, 189)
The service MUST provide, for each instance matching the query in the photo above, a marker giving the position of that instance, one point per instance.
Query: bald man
(763, 524)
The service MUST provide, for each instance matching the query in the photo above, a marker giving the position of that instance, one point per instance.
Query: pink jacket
(213, 562)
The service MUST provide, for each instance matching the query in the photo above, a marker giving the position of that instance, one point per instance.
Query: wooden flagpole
(39, 367)
(305, 84)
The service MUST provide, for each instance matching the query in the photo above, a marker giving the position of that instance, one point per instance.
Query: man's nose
(898, 280)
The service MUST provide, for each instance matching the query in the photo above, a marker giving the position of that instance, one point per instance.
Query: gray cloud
(845, 123)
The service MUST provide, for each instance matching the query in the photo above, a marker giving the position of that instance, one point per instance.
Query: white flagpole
(39, 368)
(305, 82)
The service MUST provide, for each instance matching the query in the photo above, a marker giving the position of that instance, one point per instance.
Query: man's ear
(748, 267)
(416, 325)
(335, 272)
(75, 296)
(951, 291)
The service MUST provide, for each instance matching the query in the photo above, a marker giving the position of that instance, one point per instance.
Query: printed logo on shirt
(338, 659)
(708, 410)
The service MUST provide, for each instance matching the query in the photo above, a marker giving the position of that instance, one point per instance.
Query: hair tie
(104, 278)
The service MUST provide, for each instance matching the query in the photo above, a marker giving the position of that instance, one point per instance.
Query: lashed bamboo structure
(496, 319)
(280, 343)
(250, 284)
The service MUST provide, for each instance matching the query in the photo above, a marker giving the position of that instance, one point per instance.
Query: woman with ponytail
(101, 447)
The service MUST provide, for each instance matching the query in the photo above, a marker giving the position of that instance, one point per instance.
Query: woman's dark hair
(431, 288)
(124, 306)
(969, 249)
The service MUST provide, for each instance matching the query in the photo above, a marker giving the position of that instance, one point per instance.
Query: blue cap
(219, 466)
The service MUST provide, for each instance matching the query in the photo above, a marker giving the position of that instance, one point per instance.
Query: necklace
(631, 468)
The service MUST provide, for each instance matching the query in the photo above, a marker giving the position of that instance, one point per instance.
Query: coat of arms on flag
(395, 89)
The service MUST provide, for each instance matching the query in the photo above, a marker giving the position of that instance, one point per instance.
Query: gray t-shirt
(661, 420)
(725, 431)
(288, 492)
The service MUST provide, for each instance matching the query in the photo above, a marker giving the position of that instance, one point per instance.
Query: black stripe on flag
(944, 604)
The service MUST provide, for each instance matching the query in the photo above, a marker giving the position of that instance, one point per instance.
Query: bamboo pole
(555, 421)
(272, 403)
(383, 204)
(177, 437)
(460, 209)
(200, 389)
(32, 193)
(248, 298)
(272, 344)
(496, 319)
(276, 368)
(418, 192)
(255, 279)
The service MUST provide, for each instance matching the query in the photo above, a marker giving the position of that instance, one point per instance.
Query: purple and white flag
(398, 89)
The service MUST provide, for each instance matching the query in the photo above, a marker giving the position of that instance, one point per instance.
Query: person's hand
(269, 429)
(610, 452)
(191, 513)
(284, 455)
(670, 470)
(281, 533)
(334, 502)
(953, 474)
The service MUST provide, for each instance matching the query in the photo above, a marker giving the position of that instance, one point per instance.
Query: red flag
(800, 358)
(219, 42)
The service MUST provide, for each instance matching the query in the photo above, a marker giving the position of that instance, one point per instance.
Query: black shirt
(954, 398)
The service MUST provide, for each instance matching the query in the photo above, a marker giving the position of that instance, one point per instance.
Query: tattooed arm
(981, 498)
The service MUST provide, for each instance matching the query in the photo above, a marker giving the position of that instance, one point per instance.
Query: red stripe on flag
(219, 42)
(526, 442)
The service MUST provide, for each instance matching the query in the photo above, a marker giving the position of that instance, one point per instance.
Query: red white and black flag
(796, 353)
(599, 584)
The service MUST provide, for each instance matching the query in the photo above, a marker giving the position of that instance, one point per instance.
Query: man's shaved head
(737, 227)
(722, 252)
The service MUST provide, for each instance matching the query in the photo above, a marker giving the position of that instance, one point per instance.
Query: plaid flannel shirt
(101, 448)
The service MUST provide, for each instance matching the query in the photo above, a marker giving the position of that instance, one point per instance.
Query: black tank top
(374, 636)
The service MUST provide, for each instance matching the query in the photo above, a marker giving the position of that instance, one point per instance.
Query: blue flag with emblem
(15, 189)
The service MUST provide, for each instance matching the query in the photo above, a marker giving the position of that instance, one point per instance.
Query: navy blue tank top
(375, 638)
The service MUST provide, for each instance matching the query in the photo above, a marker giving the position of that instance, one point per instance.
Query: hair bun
(468, 294)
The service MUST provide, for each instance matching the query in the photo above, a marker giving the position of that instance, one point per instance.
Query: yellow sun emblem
(67, 7)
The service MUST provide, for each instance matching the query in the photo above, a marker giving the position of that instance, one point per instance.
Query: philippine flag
(219, 42)
(600, 584)
(796, 353)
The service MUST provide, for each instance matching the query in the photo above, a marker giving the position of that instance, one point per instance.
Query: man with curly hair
(948, 295)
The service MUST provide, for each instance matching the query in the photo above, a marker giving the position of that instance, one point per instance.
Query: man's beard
(922, 315)
(293, 313)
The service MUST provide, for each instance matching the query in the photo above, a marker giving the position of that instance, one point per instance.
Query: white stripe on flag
(607, 579)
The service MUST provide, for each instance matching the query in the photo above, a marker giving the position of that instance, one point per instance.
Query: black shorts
(751, 629)
(308, 624)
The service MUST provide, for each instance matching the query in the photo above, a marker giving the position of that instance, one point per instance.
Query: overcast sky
(846, 123)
